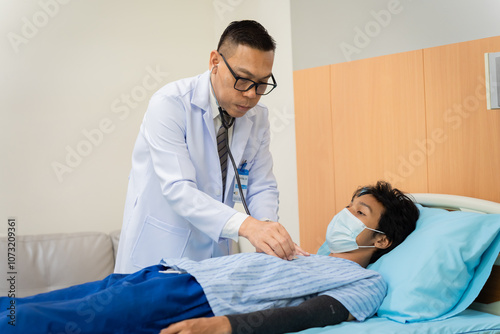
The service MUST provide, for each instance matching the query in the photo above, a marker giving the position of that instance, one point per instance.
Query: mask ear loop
(368, 228)
(371, 229)
(374, 230)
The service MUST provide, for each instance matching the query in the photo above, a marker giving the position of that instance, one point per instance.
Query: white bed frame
(456, 202)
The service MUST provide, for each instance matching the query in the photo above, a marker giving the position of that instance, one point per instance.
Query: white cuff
(232, 227)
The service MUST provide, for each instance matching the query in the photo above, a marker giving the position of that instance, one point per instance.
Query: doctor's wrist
(246, 227)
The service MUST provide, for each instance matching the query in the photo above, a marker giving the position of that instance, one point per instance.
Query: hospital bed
(437, 274)
(435, 253)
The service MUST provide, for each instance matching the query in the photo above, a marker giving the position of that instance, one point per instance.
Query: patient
(241, 293)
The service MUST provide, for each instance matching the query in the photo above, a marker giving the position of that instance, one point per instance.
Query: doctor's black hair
(399, 217)
(247, 32)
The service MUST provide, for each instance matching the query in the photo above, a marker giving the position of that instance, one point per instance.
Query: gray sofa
(54, 261)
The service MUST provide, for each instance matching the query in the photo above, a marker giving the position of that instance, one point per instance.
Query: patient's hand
(214, 325)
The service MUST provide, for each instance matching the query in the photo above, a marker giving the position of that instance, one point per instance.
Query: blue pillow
(439, 270)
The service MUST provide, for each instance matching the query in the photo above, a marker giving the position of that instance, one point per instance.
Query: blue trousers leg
(143, 302)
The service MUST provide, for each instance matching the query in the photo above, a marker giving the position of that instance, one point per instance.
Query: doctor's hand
(213, 325)
(270, 238)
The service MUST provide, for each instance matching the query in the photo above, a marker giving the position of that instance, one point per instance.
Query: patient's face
(367, 209)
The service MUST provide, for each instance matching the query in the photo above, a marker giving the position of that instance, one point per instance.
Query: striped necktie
(222, 147)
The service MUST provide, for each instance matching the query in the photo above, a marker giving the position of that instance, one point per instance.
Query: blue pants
(142, 302)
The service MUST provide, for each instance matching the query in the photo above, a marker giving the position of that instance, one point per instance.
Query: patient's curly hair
(399, 217)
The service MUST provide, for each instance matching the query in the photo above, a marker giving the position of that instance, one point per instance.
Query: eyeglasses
(243, 84)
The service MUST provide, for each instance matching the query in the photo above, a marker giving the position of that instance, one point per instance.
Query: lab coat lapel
(209, 125)
(201, 99)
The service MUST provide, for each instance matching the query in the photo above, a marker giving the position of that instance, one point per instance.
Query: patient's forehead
(370, 205)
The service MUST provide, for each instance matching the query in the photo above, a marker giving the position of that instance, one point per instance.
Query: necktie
(222, 147)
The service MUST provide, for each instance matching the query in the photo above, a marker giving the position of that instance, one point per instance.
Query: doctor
(181, 191)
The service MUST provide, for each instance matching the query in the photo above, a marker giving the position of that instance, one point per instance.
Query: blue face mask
(343, 230)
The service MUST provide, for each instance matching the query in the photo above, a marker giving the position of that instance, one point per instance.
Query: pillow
(439, 270)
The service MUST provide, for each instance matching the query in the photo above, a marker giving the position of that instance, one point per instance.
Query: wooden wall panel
(417, 119)
(467, 160)
(316, 186)
(378, 123)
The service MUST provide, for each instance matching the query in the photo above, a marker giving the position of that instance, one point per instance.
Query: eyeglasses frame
(254, 84)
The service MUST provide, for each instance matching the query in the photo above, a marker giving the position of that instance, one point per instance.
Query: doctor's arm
(315, 312)
(267, 236)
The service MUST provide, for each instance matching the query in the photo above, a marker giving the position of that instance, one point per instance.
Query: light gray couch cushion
(115, 238)
(55, 261)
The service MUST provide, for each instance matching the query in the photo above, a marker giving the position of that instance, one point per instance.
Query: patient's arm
(315, 312)
(213, 325)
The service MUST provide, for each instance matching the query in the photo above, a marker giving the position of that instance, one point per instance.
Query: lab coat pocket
(248, 157)
(157, 240)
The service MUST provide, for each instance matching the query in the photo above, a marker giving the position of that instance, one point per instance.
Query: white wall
(78, 69)
(333, 31)
(68, 76)
(275, 16)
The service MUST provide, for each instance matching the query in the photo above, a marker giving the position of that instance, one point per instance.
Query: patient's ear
(382, 242)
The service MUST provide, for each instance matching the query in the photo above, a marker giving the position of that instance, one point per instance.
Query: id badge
(243, 174)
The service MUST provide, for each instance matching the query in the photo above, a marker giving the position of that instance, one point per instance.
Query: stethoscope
(227, 126)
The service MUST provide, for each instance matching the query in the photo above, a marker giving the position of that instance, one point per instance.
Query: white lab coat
(174, 200)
